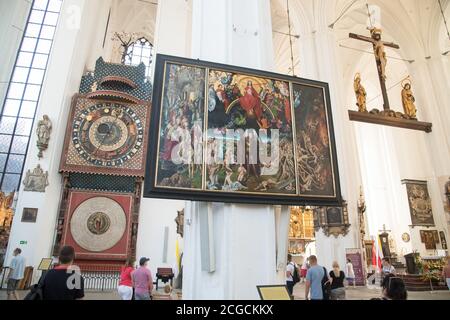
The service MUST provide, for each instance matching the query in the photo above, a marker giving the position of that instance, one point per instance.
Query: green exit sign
(23, 242)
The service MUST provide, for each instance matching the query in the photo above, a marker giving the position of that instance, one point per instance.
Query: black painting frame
(153, 191)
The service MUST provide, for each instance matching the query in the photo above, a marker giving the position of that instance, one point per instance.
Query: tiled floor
(358, 293)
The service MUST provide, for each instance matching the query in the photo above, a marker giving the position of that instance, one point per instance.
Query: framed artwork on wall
(419, 203)
(29, 215)
(443, 240)
(427, 237)
(231, 134)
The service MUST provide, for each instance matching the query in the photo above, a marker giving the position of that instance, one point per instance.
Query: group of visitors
(317, 280)
(320, 285)
(137, 284)
(65, 282)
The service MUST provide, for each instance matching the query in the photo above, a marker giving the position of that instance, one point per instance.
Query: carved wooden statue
(6, 212)
(360, 93)
(180, 222)
(44, 128)
(380, 53)
(408, 101)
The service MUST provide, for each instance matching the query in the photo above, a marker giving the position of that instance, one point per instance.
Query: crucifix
(380, 57)
(384, 229)
(384, 238)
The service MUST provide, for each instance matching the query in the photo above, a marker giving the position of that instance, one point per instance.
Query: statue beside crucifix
(408, 100)
(360, 93)
(387, 116)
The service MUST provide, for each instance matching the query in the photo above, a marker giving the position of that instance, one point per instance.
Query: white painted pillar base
(229, 249)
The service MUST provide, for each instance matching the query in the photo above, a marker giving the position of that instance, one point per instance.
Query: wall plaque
(419, 203)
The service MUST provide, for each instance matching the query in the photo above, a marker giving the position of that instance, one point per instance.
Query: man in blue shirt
(314, 280)
(16, 270)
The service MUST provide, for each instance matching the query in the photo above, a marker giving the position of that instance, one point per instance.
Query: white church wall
(154, 217)
(73, 43)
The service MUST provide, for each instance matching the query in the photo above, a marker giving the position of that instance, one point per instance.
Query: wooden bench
(164, 274)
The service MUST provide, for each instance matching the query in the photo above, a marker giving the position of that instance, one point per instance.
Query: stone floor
(367, 293)
(359, 293)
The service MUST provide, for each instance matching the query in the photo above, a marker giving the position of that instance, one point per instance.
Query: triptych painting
(227, 134)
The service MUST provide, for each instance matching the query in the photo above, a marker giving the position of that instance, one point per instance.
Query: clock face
(405, 237)
(107, 134)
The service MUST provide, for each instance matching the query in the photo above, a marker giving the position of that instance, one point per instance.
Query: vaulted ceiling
(416, 25)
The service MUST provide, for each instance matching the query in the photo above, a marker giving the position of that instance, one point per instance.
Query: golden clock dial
(107, 134)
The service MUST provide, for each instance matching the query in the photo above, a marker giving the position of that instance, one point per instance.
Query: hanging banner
(355, 255)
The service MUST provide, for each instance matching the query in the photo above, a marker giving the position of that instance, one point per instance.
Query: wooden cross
(384, 229)
(378, 48)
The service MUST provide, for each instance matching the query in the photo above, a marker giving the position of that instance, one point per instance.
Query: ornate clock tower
(103, 164)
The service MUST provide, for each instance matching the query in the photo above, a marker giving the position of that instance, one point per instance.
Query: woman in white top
(350, 273)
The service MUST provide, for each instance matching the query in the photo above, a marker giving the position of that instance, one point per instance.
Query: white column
(432, 96)
(324, 66)
(243, 237)
(74, 41)
(173, 27)
(172, 36)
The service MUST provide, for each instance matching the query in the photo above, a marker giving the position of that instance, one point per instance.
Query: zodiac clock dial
(107, 134)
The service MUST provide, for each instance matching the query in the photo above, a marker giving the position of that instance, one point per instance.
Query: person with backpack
(63, 282)
(292, 275)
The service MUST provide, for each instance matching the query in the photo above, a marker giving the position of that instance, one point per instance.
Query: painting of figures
(314, 156)
(251, 112)
(181, 124)
(222, 133)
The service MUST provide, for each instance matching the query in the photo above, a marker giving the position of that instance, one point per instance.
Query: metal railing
(100, 278)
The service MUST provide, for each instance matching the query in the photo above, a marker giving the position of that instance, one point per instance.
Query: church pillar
(235, 249)
(172, 36)
(80, 22)
(431, 93)
(173, 27)
(324, 65)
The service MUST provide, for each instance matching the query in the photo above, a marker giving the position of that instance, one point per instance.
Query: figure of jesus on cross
(380, 57)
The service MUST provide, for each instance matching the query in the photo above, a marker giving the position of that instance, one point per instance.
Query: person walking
(350, 273)
(314, 277)
(125, 288)
(291, 273)
(16, 271)
(64, 281)
(304, 270)
(142, 281)
(337, 277)
(446, 273)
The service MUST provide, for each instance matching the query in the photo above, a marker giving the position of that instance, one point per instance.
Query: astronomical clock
(103, 164)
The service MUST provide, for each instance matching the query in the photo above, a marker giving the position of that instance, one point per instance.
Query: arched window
(140, 51)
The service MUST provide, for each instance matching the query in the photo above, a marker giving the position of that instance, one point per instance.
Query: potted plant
(432, 271)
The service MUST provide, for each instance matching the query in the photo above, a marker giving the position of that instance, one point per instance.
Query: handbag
(36, 292)
(326, 286)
